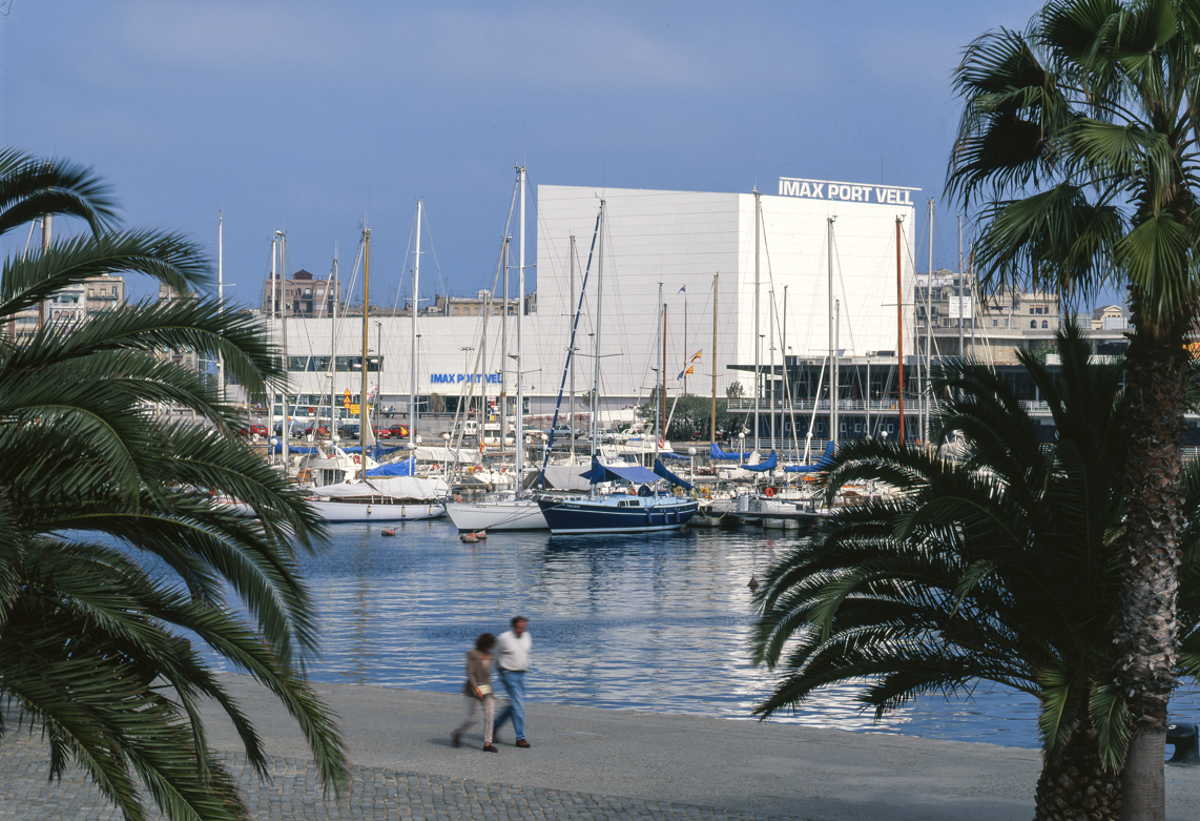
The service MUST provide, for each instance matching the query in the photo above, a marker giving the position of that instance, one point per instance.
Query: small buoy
(469, 538)
(752, 584)
(389, 532)
(481, 534)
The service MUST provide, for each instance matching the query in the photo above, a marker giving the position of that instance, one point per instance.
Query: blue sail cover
(771, 463)
(277, 447)
(824, 463)
(402, 468)
(376, 451)
(630, 473)
(661, 470)
(715, 452)
(667, 454)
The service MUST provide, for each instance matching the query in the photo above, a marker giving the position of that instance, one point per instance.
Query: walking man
(512, 657)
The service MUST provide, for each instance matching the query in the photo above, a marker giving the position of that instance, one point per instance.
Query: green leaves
(98, 486)
(996, 566)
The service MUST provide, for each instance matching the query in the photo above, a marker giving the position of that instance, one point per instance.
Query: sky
(319, 118)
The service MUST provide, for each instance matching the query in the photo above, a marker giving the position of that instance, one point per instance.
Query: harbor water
(658, 623)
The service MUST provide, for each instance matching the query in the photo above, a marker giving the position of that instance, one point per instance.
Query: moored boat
(645, 511)
(390, 499)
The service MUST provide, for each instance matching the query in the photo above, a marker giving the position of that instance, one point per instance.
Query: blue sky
(315, 117)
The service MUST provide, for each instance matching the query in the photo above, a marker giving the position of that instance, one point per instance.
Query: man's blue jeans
(514, 685)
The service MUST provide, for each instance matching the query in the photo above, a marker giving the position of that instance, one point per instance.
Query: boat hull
(523, 514)
(616, 513)
(377, 511)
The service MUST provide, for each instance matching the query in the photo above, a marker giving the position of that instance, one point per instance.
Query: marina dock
(589, 763)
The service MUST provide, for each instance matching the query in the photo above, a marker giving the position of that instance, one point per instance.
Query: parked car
(349, 431)
(321, 430)
(398, 431)
(380, 432)
(253, 430)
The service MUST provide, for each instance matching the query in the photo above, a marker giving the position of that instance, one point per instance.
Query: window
(995, 323)
(1045, 324)
(1033, 323)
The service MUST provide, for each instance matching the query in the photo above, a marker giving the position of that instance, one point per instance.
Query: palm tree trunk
(1147, 634)
(1074, 785)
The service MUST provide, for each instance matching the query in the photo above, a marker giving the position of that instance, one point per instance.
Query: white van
(469, 429)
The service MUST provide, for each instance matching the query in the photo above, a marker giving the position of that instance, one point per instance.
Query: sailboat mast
(412, 378)
(771, 348)
(833, 353)
(221, 294)
(662, 394)
(519, 434)
(757, 320)
(927, 394)
(595, 404)
(286, 429)
(571, 354)
(363, 419)
(900, 329)
(712, 413)
(334, 294)
(503, 400)
(274, 313)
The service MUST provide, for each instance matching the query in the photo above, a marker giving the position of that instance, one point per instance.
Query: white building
(701, 247)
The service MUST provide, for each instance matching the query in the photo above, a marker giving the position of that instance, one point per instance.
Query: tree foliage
(1078, 143)
(1002, 564)
(118, 546)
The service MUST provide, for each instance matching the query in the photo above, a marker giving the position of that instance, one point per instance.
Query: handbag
(485, 689)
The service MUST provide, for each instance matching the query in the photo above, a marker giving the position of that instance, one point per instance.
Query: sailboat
(377, 499)
(520, 512)
(645, 510)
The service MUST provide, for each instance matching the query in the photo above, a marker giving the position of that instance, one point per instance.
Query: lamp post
(692, 460)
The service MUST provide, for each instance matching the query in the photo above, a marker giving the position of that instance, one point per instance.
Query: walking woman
(478, 691)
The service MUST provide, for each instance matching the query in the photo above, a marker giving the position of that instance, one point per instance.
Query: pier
(588, 764)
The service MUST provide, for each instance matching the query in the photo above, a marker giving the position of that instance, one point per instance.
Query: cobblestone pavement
(293, 794)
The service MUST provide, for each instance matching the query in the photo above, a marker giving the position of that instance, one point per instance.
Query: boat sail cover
(661, 470)
(404, 467)
(824, 463)
(398, 487)
(636, 474)
(771, 463)
(715, 452)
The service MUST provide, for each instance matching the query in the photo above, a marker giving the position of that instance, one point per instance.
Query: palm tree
(1001, 565)
(117, 547)
(1079, 139)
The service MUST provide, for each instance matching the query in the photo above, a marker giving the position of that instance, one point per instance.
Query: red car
(381, 433)
(398, 431)
(253, 430)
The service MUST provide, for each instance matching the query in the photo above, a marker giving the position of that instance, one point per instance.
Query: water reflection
(657, 623)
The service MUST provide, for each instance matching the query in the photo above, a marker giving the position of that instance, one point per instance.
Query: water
(657, 623)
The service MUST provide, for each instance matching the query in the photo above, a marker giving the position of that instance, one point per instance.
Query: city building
(736, 288)
(71, 305)
(304, 295)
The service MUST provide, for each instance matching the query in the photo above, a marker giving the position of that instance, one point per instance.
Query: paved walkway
(590, 764)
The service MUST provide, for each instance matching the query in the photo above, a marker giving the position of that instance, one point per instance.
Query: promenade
(590, 764)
